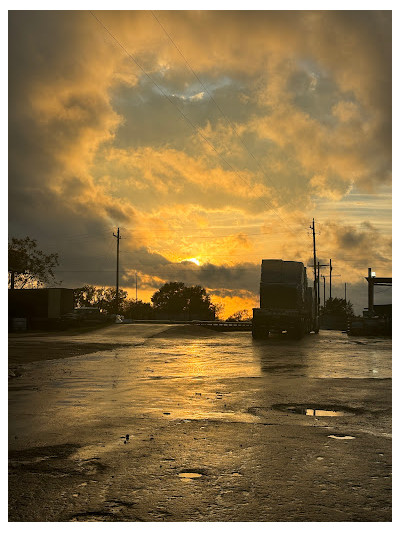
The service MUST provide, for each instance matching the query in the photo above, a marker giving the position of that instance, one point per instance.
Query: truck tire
(295, 333)
(297, 330)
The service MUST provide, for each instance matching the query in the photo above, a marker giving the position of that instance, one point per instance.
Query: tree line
(30, 267)
(173, 300)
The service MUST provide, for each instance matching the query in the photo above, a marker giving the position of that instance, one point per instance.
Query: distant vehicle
(286, 302)
(85, 314)
(116, 319)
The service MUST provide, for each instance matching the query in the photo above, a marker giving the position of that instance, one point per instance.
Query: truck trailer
(286, 301)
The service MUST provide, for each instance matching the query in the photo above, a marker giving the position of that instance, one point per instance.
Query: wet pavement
(178, 423)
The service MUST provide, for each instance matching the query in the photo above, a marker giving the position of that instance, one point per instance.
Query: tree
(85, 296)
(218, 309)
(175, 299)
(338, 307)
(106, 298)
(240, 316)
(27, 264)
(137, 310)
(101, 297)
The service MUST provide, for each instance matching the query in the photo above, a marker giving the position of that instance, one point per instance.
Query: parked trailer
(286, 302)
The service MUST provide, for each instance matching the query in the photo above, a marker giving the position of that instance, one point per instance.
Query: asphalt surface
(221, 427)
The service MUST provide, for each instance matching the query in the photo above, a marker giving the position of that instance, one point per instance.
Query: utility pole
(316, 302)
(324, 288)
(319, 267)
(370, 291)
(117, 281)
(136, 285)
(330, 279)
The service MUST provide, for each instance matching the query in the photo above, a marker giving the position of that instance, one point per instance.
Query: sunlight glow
(193, 260)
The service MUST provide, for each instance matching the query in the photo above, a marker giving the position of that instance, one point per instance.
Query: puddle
(341, 437)
(189, 475)
(315, 410)
(322, 412)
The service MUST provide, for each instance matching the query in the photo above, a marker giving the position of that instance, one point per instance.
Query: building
(30, 308)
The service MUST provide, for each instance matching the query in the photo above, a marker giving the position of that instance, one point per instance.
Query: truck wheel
(296, 333)
(297, 330)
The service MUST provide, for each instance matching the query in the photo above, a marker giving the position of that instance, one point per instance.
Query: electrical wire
(218, 107)
(185, 117)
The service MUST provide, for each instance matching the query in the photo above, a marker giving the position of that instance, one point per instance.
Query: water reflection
(226, 356)
(188, 476)
(331, 354)
(216, 378)
(315, 410)
(321, 412)
(341, 437)
(281, 355)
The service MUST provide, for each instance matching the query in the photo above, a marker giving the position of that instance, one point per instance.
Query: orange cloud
(95, 144)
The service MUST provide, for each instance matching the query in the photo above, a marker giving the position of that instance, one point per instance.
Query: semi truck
(286, 302)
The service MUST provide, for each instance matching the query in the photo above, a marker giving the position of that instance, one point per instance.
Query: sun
(192, 260)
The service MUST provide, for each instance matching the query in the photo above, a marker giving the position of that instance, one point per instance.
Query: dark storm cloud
(240, 276)
(93, 146)
(366, 241)
(143, 105)
(231, 293)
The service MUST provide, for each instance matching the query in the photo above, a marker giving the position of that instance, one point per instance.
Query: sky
(211, 139)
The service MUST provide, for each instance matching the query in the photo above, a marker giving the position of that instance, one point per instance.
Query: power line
(82, 271)
(239, 229)
(215, 269)
(240, 232)
(206, 255)
(108, 252)
(77, 236)
(216, 104)
(216, 237)
(194, 268)
(184, 116)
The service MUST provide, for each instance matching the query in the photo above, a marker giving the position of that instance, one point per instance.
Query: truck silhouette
(286, 301)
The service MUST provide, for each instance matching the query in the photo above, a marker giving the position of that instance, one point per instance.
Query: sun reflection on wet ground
(195, 378)
(217, 413)
(188, 476)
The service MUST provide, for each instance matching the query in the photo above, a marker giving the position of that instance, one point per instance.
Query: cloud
(330, 185)
(241, 276)
(198, 96)
(95, 144)
(292, 84)
(354, 249)
(158, 176)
